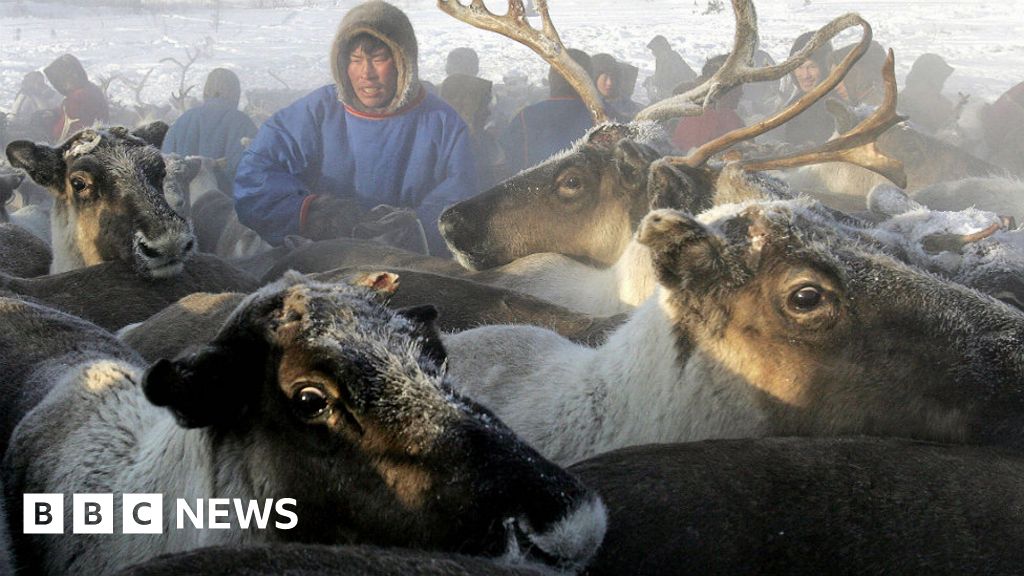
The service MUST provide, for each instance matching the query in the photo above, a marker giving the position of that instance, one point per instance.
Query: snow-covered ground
(287, 44)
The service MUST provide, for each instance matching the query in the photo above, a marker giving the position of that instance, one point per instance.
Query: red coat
(80, 109)
(692, 131)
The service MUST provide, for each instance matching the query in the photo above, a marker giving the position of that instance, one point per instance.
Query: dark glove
(398, 227)
(330, 217)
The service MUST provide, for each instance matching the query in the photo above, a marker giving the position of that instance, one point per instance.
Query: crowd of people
(381, 151)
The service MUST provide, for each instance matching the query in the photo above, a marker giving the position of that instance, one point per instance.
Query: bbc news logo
(144, 514)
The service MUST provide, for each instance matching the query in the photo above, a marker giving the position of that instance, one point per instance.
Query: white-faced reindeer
(108, 200)
(309, 391)
(770, 319)
(586, 203)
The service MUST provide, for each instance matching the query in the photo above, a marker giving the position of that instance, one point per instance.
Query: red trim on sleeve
(304, 211)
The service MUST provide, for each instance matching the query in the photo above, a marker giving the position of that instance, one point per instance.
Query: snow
(288, 44)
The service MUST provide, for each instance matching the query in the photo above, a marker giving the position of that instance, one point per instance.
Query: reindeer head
(345, 404)
(109, 201)
(830, 332)
(584, 203)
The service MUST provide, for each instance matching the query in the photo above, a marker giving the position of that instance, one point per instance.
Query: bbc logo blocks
(93, 513)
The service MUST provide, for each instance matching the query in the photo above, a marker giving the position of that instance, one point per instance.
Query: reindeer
(112, 294)
(972, 247)
(108, 200)
(586, 203)
(22, 254)
(462, 304)
(928, 161)
(844, 506)
(309, 391)
(770, 319)
(313, 559)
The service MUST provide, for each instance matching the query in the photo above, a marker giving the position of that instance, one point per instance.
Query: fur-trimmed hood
(392, 26)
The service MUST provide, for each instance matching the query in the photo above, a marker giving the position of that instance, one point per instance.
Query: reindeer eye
(309, 402)
(806, 298)
(570, 186)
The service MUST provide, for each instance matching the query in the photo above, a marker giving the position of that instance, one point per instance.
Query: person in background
(1003, 124)
(608, 78)
(463, 61)
(84, 103)
(921, 98)
(32, 115)
(692, 131)
(539, 130)
(670, 70)
(215, 128)
(373, 145)
(471, 98)
(862, 85)
(814, 125)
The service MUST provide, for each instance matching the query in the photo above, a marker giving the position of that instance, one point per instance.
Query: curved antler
(545, 42)
(709, 149)
(856, 146)
(737, 68)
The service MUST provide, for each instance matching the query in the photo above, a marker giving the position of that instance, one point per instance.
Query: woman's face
(807, 75)
(606, 85)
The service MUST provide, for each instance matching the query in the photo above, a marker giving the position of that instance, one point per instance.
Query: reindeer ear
(383, 284)
(607, 135)
(681, 248)
(152, 133)
(43, 164)
(670, 187)
(203, 389)
(425, 318)
(632, 161)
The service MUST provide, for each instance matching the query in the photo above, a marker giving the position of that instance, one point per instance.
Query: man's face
(807, 75)
(374, 77)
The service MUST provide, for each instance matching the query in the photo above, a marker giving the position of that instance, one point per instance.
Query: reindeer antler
(709, 149)
(178, 98)
(545, 42)
(857, 146)
(737, 68)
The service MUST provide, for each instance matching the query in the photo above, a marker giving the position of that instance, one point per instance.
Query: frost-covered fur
(310, 391)
(994, 264)
(724, 349)
(999, 194)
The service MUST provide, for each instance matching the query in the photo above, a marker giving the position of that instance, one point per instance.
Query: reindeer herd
(637, 364)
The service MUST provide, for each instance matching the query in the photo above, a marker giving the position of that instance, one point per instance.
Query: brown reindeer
(587, 202)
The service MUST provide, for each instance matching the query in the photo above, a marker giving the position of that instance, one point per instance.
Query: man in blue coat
(373, 138)
(549, 126)
(216, 128)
